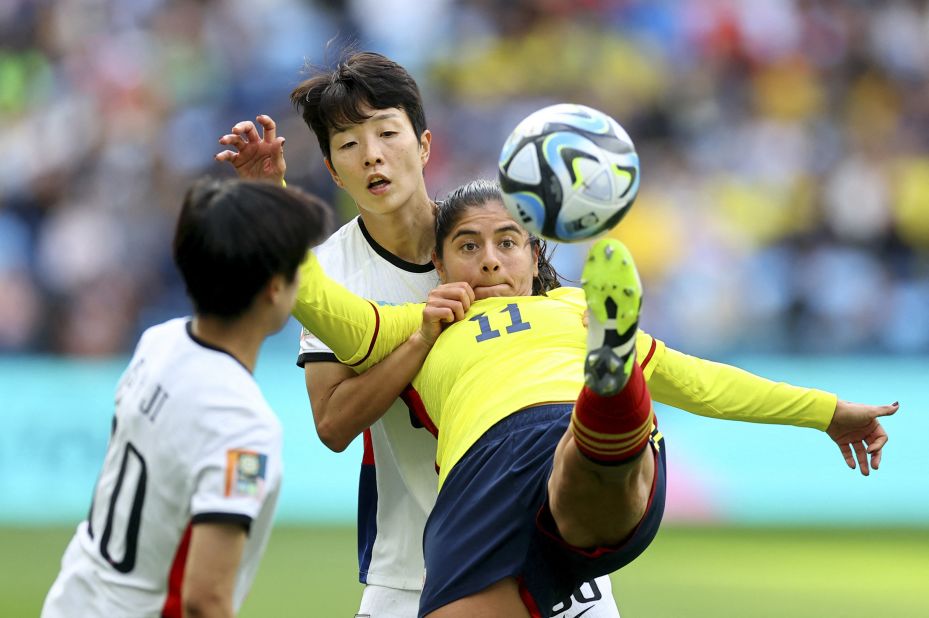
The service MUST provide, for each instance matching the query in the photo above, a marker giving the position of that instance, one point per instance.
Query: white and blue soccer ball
(568, 172)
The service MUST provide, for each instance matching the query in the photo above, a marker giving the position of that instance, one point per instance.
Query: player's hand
(857, 431)
(254, 156)
(446, 304)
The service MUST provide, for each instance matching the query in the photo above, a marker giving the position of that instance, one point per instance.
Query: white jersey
(398, 482)
(193, 440)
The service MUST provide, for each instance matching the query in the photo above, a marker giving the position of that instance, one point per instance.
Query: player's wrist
(422, 341)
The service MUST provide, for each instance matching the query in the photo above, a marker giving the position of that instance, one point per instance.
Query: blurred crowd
(784, 146)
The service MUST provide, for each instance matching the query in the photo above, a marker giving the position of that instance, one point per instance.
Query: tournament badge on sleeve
(245, 473)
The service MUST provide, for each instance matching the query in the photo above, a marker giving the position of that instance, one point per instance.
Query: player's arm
(213, 559)
(348, 324)
(358, 332)
(722, 391)
(254, 156)
(345, 403)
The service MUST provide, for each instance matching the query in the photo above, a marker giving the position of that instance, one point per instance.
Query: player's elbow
(333, 435)
(206, 603)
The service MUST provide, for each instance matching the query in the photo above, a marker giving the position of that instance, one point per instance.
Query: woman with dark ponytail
(479, 193)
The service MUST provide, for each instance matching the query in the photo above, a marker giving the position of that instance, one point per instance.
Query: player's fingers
(847, 455)
(888, 410)
(876, 458)
(876, 443)
(861, 454)
(454, 306)
(233, 140)
(268, 127)
(469, 291)
(433, 313)
(226, 155)
(464, 295)
(457, 291)
(247, 130)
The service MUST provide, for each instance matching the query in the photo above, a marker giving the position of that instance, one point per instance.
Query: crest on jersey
(245, 473)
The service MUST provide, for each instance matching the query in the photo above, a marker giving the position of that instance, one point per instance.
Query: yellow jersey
(510, 353)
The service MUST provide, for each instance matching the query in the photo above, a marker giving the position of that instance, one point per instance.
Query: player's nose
(490, 263)
(373, 155)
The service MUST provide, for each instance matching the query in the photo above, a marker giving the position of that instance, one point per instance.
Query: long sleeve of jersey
(359, 332)
(722, 391)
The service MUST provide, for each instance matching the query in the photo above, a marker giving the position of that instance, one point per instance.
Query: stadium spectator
(755, 125)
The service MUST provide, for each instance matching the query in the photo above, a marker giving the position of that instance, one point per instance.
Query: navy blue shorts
(492, 521)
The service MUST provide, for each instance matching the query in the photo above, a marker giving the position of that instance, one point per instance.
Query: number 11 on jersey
(516, 323)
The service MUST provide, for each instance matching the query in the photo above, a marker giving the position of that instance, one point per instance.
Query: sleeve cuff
(316, 357)
(223, 518)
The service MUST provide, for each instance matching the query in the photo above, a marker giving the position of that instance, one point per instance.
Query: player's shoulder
(569, 295)
(189, 363)
(230, 406)
(347, 238)
(164, 337)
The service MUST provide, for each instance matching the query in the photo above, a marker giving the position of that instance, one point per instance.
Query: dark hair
(476, 194)
(232, 236)
(334, 99)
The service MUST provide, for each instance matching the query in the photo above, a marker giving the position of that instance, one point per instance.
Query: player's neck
(408, 232)
(240, 338)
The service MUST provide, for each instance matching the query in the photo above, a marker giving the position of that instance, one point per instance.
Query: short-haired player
(182, 508)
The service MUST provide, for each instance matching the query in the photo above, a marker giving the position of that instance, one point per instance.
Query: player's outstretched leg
(613, 417)
(614, 297)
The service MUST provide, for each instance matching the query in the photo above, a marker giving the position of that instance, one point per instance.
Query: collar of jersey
(189, 326)
(390, 257)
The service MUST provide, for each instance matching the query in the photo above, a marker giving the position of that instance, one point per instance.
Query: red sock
(612, 430)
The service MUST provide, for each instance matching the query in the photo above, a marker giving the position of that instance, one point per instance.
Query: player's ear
(335, 175)
(425, 146)
(276, 289)
(536, 252)
(439, 268)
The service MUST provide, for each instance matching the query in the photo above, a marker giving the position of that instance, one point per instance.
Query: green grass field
(687, 572)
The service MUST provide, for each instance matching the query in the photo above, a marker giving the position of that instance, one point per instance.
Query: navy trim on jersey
(189, 326)
(367, 508)
(316, 357)
(390, 257)
(223, 518)
(419, 417)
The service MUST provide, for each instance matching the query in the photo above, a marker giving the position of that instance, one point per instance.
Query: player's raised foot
(614, 297)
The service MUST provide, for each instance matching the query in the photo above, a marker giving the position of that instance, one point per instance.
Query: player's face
(380, 161)
(490, 251)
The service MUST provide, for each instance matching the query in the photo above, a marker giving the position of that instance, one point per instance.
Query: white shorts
(593, 600)
(381, 602)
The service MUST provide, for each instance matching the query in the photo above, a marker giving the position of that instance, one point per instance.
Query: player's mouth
(378, 184)
(492, 290)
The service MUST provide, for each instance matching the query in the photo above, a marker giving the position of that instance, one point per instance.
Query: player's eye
(469, 246)
(508, 243)
(347, 145)
(388, 133)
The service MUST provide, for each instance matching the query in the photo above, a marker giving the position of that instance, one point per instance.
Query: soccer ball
(568, 172)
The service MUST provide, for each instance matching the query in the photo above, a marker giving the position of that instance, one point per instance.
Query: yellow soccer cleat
(614, 298)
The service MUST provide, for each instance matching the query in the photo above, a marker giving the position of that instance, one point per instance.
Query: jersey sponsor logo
(245, 473)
